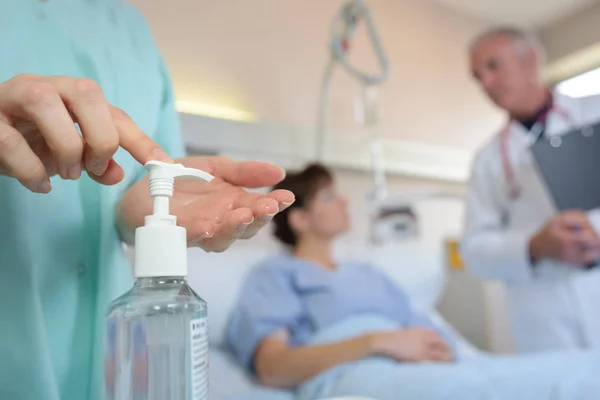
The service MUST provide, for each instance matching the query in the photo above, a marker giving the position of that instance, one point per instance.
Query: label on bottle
(199, 349)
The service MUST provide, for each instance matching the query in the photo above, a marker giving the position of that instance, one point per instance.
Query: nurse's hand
(412, 344)
(218, 213)
(568, 237)
(39, 139)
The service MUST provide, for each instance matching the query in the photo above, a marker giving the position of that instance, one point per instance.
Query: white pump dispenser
(161, 245)
(160, 323)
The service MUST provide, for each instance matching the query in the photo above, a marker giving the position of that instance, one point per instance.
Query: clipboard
(570, 166)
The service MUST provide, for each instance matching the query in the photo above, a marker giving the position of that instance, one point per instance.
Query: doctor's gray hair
(523, 40)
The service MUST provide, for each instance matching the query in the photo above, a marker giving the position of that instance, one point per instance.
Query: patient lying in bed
(286, 301)
(304, 322)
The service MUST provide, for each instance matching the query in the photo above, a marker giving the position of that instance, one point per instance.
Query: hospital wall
(267, 57)
(573, 44)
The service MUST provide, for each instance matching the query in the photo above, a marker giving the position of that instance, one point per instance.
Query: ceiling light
(214, 111)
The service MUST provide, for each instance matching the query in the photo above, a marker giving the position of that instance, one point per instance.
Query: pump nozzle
(160, 245)
(162, 181)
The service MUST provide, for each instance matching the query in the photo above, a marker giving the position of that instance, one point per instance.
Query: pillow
(414, 265)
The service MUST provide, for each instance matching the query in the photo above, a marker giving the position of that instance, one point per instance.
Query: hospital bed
(415, 266)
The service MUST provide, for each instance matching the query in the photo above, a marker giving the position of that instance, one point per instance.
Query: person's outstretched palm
(218, 213)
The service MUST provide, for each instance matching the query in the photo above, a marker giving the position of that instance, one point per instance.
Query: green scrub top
(61, 261)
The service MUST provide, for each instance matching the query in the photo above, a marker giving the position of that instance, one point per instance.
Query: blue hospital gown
(303, 298)
(60, 254)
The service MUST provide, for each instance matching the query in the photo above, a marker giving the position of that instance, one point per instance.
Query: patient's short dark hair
(304, 184)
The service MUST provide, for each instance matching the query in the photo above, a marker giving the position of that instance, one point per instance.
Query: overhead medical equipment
(390, 218)
(343, 29)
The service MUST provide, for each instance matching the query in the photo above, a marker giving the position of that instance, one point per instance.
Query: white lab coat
(551, 306)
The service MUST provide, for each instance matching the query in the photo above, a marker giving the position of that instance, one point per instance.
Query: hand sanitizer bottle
(157, 343)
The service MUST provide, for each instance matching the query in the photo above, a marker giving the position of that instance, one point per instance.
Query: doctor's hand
(568, 237)
(39, 139)
(412, 344)
(218, 213)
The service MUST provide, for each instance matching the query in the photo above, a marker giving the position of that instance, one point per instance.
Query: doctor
(513, 232)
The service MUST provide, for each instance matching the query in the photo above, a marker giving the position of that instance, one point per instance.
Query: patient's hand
(412, 344)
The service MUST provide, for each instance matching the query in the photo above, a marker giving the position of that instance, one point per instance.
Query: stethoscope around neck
(536, 131)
